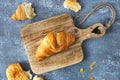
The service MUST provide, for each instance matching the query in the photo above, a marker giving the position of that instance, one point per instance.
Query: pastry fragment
(92, 65)
(103, 79)
(15, 72)
(28, 74)
(92, 78)
(37, 78)
(23, 12)
(81, 70)
(72, 4)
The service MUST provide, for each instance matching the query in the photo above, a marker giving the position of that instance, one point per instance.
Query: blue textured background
(106, 48)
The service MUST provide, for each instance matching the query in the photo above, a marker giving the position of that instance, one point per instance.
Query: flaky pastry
(15, 72)
(72, 4)
(37, 78)
(23, 12)
(52, 43)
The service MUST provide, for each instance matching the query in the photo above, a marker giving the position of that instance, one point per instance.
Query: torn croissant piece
(72, 4)
(15, 72)
(37, 78)
(52, 43)
(28, 74)
(23, 12)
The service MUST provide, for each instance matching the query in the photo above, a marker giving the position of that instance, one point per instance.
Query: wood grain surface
(32, 34)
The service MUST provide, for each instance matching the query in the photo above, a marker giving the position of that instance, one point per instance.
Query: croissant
(72, 4)
(52, 43)
(23, 12)
(15, 72)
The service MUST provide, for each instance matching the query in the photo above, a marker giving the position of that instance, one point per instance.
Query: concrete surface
(105, 49)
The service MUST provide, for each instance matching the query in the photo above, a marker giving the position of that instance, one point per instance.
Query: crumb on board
(103, 79)
(92, 78)
(81, 70)
(92, 65)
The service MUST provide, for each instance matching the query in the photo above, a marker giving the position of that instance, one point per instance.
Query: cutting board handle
(94, 31)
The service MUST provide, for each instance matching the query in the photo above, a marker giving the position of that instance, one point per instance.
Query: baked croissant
(23, 12)
(15, 72)
(72, 4)
(52, 43)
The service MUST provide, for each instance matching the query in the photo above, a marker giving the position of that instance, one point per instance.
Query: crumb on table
(92, 78)
(103, 79)
(92, 65)
(81, 70)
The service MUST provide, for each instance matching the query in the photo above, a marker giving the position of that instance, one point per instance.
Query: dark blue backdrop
(106, 48)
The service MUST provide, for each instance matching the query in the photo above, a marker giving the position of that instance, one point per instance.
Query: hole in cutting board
(96, 31)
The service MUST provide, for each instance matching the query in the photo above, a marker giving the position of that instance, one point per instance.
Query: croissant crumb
(72, 4)
(81, 70)
(15, 72)
(103, 79)
(23, 12)
(92, 78)
(92, 65)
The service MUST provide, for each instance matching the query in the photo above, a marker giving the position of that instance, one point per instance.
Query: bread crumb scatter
(92, 65)
(92, 78)
(103, 79)
(81, 70)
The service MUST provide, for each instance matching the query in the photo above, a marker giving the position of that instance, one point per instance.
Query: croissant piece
(23, 12)
(37, 78)
(72, 4)
(52, 43)
(15, 72)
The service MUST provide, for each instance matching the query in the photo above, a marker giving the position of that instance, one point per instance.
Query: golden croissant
(23, 12)
(72, 4)
(15, 72)
(52, 43)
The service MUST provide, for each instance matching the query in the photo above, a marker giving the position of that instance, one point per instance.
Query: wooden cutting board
(31, 35)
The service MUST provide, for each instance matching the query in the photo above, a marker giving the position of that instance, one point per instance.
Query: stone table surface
(105, 50)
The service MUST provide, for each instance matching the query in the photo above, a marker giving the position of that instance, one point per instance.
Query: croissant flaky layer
(37, 78)
(15, 72)
(23, 12)
(52, 43)
(72, 4)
